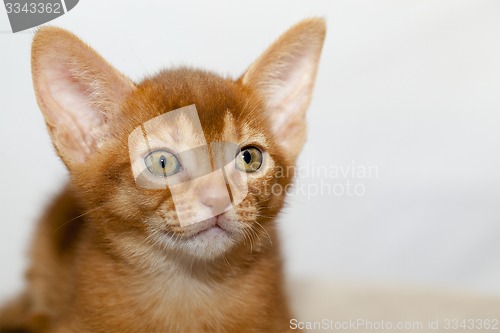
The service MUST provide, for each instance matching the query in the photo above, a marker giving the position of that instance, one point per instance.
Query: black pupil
(247, 157)
(163, 161)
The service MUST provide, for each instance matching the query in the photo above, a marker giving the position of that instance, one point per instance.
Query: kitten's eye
(249, 159)
(161, 163)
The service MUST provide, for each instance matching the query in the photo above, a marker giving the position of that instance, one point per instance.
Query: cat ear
(284, 76)
(78, 92)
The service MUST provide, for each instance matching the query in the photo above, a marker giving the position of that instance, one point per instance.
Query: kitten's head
(186, 160)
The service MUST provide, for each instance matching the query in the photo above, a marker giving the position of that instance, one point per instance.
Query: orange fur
(97, 262)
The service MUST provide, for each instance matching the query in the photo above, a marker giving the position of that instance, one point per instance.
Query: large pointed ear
(78, 92)
(284, 77)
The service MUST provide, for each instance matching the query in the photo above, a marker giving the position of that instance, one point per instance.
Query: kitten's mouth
(214, 225)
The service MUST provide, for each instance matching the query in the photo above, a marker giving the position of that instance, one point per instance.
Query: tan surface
(416, 307)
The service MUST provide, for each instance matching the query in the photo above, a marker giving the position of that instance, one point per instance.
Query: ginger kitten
(111, 254)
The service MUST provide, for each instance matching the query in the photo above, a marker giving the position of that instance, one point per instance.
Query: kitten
(109, 254)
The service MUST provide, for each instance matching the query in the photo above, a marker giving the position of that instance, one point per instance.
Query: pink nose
(216, 198)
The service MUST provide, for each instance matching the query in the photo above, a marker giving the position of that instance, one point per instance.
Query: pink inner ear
(77, 91)
(72, 111)
(289, 96)
(284, 76)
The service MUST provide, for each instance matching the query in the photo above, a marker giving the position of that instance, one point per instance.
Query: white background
(411, 87)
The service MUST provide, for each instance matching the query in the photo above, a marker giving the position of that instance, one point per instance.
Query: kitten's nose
(216, 198)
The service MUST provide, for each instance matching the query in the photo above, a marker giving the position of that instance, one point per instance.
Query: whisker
(76, 218)
(266, 233)
(245, 235)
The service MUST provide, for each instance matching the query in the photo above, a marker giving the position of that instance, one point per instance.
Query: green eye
(249, 159)
(161, 163)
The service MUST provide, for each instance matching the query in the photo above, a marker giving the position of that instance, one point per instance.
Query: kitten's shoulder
(61, 223)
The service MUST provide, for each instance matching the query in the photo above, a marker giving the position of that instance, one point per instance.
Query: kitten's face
(161, 184)
(229, 115)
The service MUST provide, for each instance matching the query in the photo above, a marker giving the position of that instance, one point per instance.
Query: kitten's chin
(210, 243)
